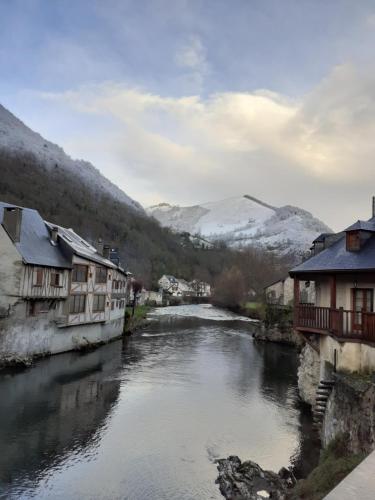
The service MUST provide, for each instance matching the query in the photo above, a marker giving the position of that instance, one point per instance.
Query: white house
(57, 292)
(281, 292)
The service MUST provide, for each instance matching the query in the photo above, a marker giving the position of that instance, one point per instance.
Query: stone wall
(351, 410)
(308, 374)
(279, 335)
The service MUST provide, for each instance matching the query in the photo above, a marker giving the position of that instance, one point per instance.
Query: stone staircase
(322, 394)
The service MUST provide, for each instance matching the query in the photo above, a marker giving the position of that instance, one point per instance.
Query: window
(112, 305)
(99, 303)
(38, 277)
(77, 304)
(55, 279)
(40, 306)
(100, 274)
(79, 273)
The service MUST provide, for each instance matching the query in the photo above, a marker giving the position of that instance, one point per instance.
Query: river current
(144, 418)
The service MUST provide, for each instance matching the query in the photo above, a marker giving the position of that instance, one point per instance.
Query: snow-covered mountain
(243, 221)
(16, 138)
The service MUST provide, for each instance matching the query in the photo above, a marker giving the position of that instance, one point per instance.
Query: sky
(190, 101)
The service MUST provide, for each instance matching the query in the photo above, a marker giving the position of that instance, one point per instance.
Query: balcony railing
(342, 323)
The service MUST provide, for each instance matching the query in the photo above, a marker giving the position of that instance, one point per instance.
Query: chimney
(54, 233)
(106, 251)
(100, 246)
(12, 220)
(373, 206)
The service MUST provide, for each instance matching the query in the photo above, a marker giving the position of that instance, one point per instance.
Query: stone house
(57, 292)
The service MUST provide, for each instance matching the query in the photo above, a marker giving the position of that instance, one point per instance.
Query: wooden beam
(332, 280)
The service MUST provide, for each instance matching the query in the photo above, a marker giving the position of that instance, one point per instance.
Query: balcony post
(341, 322)
(296, 301)
(332, 280)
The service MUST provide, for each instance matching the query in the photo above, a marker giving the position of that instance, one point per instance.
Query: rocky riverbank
(248, 481)
(277, 334)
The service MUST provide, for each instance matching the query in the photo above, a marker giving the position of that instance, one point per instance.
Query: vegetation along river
(145, 418)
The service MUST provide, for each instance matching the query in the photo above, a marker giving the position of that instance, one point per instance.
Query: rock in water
(248, 481)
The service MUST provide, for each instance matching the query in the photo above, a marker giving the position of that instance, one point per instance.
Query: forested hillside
(146, 249)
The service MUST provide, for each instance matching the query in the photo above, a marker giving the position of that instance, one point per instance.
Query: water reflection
(145, 419)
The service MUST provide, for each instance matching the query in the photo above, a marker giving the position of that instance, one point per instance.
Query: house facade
(177, 287)
(57, 292)
(281, 292)
(341, 321)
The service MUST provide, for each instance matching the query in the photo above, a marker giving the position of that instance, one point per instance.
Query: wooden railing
(340, 322)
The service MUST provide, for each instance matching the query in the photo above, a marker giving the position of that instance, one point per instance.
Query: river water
(146, 417)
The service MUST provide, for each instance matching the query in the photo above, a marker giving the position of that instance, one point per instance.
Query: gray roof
(361, 225)
(322, 237)
(81, 247)
(35, 246)
(337, 258)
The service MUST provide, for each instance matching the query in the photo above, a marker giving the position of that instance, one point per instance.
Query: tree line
(145, 248)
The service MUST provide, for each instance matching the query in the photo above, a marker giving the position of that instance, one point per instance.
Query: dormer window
(353, 241)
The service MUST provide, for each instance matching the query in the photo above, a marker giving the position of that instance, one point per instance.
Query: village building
(281, 292)
(57, 292)
(201, 288)
(177, 287)
(340, 324)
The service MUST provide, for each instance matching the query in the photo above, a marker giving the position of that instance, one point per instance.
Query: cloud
(189, 149)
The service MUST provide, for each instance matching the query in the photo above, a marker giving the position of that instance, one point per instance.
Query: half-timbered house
(57, 292)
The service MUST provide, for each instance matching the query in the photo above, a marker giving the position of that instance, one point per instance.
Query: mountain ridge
(18, 138)
(244, 221)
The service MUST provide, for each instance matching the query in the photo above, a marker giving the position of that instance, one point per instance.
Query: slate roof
(322, 237)
(34, 245)
(81, 247)
(337, 258)
(361, 225)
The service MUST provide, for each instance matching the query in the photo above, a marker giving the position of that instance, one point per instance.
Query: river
(144, 418)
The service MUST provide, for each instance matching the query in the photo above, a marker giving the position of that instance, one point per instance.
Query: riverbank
(136, 321)
(248, 481)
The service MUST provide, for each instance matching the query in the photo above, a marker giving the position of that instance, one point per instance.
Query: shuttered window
(38, 277)
(55, 279)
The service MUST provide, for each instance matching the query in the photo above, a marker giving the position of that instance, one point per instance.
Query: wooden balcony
(341, 323)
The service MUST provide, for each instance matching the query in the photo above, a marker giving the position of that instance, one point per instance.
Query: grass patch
(134, 322)
(335, 464)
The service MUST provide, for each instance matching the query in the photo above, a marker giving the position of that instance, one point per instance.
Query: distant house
(178, 287)
(57, 292)
(281, 292)
(201, 288)
(342, 318)
(169, 284)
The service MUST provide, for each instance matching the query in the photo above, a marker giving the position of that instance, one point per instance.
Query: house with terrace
(57, 291)
(340, 324)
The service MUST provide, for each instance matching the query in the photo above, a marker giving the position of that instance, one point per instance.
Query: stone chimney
(54, 233)
(12, 220)
(106, 251)
(100, 246)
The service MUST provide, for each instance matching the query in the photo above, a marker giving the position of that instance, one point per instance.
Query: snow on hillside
(16, 137)
(243, 221)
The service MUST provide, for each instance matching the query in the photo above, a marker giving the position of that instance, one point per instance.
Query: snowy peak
(243, 221)
(16, 138)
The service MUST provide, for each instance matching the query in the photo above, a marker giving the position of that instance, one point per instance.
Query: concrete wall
(22, 336)
(350, 356)
(344, 286)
